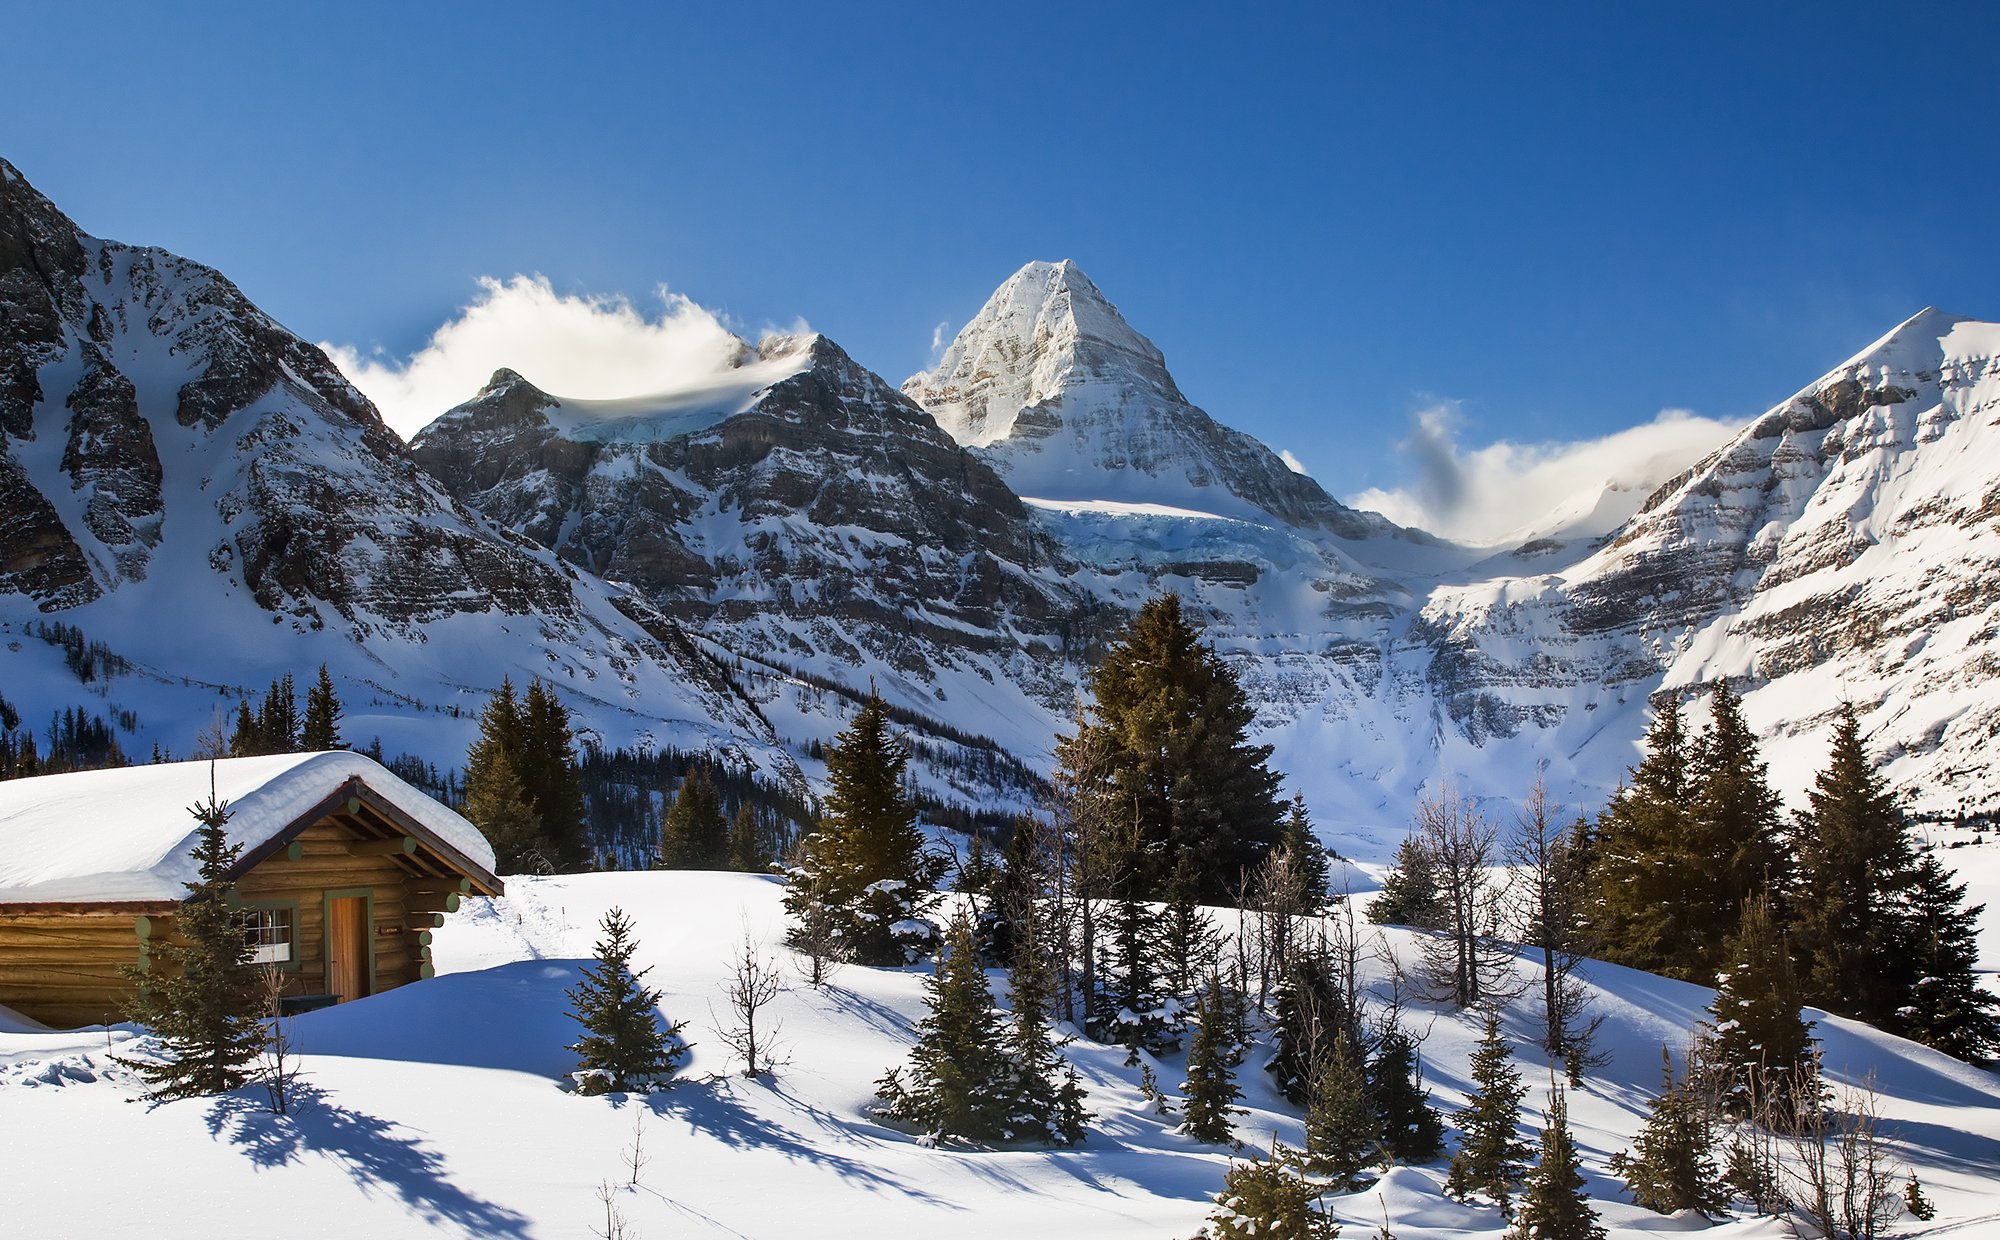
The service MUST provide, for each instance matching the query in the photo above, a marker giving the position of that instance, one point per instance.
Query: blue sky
(1557, 219)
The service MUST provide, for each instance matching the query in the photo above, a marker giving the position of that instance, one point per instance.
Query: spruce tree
(694, 836)
(960, 1083)
(1311, 1014)
(1412, 1130)
(1343, 1134)
(1309, 857)
(1046, 1096)
(1409, 895)
(547, 764)
(497, 799)
(1166, 750)
(1734, 833)
(1760, 1049)
(1671, 1165)
(747, 853)
(321, 729)
(1554, 1205)
(625, 1049)
(203, 996)
(1210, 1091)
(1129, 1006)
(1491, 1157)
(1946, 1007)
(865, 865)
(1641, 868)
(1270, 1199)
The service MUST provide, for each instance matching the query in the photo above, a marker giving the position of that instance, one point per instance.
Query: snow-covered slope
(433, 1111)
(202, 492)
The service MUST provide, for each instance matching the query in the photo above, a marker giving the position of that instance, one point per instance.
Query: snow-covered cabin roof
(128, 835)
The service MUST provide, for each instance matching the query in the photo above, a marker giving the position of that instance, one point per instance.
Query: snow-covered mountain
(728, 567)
(204, 493)
(1052, 386)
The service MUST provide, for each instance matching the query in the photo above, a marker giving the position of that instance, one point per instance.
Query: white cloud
(592, 347)
(1293, 463)
(1505, 491)
(940, 337)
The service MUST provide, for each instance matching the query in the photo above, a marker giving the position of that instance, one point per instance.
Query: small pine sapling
(1492, 1158)
(1554, 1205)
(1210, 1091)
(1270, 1199)
(1671, 1165)
(625, 1048)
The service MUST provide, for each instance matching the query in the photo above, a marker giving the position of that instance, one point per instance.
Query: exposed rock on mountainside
(175, 467)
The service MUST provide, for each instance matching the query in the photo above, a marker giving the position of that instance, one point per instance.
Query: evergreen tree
(1671, 1165)
(1640, 867)
(1412, 1130)
(960, 1082)
(1554, 1205)
(1047, 1096)
(1309, 857)
(624, 1048)
(1734, 828)
(1490, 1158)
(1409, 895)
(547, 764)
(203, 996)
(1189, 942)
(1342, 1131)
(694, 836)
(1270, 1199)
(1946, 1006)
(321, 729)
(1129, 1006)
(1311, 1014)
(1213, 1055)
(865, 863)
(1760, 1049)
(747, 853)
(1166, 753)
(497, 799)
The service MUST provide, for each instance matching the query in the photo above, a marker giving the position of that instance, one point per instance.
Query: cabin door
(347, 947)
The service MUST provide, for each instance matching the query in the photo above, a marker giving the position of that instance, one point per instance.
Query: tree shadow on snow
(712, 1108)
(514, 1017)
(374, 1152)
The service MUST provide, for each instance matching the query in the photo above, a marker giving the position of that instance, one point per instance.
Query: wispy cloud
(1504, 490)
(1292, 463)
(595, 347)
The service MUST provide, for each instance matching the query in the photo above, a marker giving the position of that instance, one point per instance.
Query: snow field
(433, 1110)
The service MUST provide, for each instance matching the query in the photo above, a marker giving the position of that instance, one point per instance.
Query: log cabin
(345, 874)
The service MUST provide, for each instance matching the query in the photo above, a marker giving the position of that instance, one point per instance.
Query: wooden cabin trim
(367, 897)
(487, 884)
(90, 908)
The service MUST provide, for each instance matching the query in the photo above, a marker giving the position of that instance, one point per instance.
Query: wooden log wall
(324, 860)
(67, 969)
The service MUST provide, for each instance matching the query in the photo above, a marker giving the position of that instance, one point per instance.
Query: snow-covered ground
(434, 1110)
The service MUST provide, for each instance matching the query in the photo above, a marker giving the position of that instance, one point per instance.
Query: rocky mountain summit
(189, 483)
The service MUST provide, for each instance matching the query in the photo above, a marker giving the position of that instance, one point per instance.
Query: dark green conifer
(321, 729)
(1491, 1158)
(1946, 1007)
(1210, 1091)
(960, 1083)
(497, 798)
(547, 764)
(693, 835)
(1671, 1165)
(1047, 1097)
(1308, 856)
(202, 995)
(747, 853)
(1760, 1049)
(1412, 1130)
(1343, 1133)
(1270, 1199)
(1170, 758)
(865, 865)
(1129, 1006)
(1554, 1205)
(625, 1049)
(1311, 1014)
(1409, 895)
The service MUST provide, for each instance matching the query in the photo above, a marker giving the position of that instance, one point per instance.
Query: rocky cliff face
(186, 480)
(820, 521)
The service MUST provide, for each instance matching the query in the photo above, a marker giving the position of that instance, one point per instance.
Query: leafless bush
(753, 984)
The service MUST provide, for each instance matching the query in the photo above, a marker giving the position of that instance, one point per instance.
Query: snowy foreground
(434, 1110)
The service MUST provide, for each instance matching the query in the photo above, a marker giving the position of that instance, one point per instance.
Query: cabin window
(270, 933)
